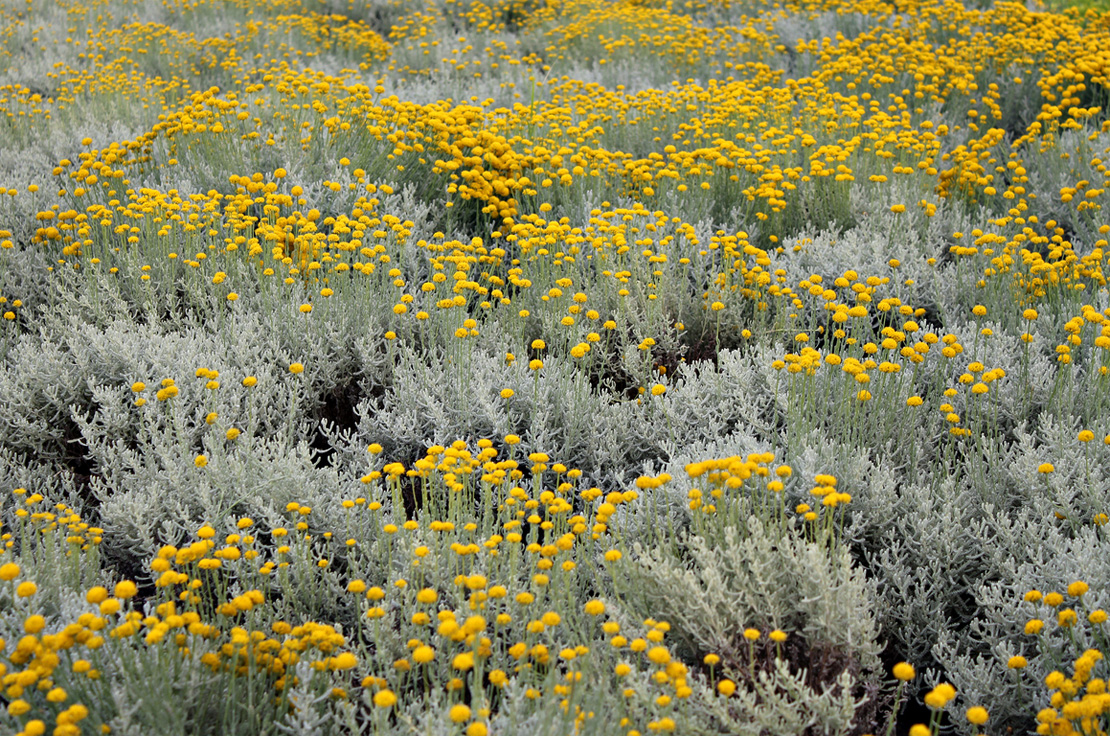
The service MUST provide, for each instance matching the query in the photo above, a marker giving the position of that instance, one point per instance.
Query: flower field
(553, 367)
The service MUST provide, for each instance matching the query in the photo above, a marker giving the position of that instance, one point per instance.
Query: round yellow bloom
(459, 713)
(726, 687)
(9, 571)
(200, 461)
(1078, 588)
(385, 698)
(940, 695)
(34, 624)
(126, 589)
(26, 589)
(344, 661)
(594, 608)
(1017, 662)
(477, 729)
(296, 368)
(904, 671)
(977, 715)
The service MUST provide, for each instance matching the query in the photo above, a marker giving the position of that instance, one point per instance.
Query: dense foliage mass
(553, 367)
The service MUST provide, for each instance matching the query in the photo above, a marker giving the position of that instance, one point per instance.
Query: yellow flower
(904, 671)
(26, 589)
(726, 687)
(200, 461)
(126, 589)
(977, 715)
(385, 698)
(940, 695)
(296, 368)
(9, 571)
(459, 713)
(344, 661)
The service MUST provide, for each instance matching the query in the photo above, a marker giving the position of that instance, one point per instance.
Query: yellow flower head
(904, 671)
